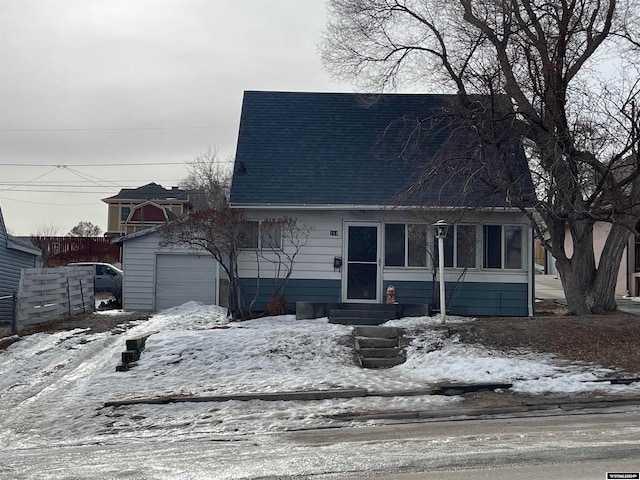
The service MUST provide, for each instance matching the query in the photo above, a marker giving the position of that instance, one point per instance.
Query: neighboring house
(156, 278)
(335, 162)
(136, 209)
(15, 254)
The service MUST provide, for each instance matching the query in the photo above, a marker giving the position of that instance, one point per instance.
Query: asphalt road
(578, 446)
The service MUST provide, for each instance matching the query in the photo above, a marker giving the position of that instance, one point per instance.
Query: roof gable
(339, 149)
(16, 243)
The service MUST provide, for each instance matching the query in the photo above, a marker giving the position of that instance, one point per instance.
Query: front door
(361, 282)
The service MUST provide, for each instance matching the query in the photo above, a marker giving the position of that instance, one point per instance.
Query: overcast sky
(98, 95)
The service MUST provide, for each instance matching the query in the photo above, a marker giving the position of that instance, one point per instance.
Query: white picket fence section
(46, 294)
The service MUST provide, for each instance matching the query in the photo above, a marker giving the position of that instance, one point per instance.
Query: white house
(342, 164)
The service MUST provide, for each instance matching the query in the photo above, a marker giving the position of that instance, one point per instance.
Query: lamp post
(441, 232)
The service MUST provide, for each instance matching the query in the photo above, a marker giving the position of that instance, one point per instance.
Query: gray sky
(96, 95)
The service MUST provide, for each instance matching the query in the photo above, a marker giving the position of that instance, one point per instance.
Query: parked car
(107, 277)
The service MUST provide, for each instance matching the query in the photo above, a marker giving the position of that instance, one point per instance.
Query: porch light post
(441, 232)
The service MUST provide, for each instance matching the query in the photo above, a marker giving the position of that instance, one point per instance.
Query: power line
(83, 184)
(105, 190)
(147, 164)
(115, 129)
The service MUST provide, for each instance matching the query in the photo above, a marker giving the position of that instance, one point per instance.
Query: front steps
(360, 314)
(378, 347)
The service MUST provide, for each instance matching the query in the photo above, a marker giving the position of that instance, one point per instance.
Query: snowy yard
(54, 385)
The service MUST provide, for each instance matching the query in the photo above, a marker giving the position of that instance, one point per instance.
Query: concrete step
(338, 313)
(381, 362)
(370, 307)
(372, 342)
(357, 320)
(375, 331)
(361, 316)
(380, 352)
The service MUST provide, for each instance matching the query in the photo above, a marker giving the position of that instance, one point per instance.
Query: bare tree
(568, 73)
(223, 233)
(281, 242)
(208, 181)
(47, 230)
(85, 229)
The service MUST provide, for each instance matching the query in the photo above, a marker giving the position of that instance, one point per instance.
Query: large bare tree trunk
(590, 288)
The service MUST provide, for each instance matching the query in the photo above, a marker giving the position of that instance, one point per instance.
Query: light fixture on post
(441, 232)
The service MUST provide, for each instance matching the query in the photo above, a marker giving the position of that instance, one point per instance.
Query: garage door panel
(184, 278)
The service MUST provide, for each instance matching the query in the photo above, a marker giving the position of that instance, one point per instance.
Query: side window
(249, 236)
(271, 237)
(101, 270)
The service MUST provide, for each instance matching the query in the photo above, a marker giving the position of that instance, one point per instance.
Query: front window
(394, 241)
(466, 246)
(417, 245)
(459, 247)
(405, 245)
(503, 246)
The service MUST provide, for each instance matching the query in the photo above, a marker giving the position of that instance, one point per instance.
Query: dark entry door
(363, 262)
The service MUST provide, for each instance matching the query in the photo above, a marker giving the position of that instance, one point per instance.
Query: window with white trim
(124, 212)
(459, 247)
(405, 245)
(503, 246)
(271, 237)
(249, 236)
(254, 236)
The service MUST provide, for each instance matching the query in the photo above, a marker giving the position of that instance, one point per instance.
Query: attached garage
(156, 278)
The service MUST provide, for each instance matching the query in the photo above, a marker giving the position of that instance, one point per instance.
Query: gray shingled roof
(346, 149)
(151, 191)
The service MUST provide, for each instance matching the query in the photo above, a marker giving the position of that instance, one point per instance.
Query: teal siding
(297, 290)
(465, 299)
(469, 299)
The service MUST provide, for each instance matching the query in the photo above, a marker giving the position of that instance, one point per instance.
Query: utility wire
(147, 164)
(29, 181)
(115, 129)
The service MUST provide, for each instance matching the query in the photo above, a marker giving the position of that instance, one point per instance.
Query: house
(342, 164)
(136, 209)
(157, 277)
(15, 254)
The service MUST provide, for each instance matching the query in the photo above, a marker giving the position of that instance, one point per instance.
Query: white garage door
(182, 278)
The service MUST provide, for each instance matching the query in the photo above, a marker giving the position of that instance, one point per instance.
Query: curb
(451, 414)
(555, 407)
(269, 397)
(444, 389)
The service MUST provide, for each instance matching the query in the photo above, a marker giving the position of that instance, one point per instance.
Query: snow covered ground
(53, 386)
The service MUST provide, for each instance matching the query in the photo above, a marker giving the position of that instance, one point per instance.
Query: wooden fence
(46, 294)
(58, 251)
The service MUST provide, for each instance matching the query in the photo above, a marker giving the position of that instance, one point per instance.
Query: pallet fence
(46, 294)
